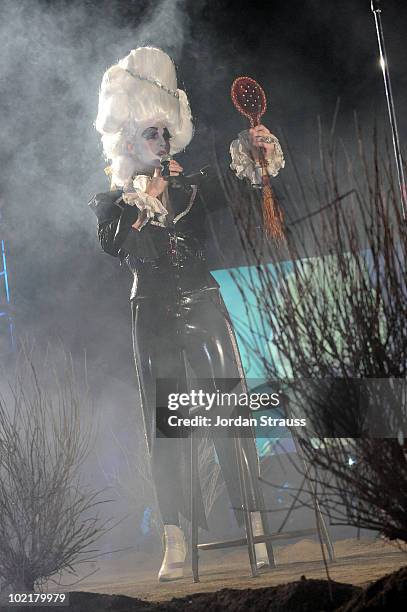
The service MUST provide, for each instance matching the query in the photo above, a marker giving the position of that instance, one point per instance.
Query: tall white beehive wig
(138, 92)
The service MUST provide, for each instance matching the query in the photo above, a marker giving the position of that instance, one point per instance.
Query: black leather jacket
(165, 260)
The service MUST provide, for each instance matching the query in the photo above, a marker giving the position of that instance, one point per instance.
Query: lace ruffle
(243, 164)
(144, 202)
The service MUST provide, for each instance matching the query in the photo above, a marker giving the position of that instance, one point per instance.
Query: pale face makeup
(153, 143)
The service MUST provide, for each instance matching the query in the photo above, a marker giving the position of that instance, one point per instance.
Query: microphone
(165, 166)
(173, 181)
(184, 179)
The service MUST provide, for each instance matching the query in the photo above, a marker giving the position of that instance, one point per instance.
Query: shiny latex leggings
(168, 334)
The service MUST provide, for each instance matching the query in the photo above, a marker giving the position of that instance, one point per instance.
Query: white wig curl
(138, 92)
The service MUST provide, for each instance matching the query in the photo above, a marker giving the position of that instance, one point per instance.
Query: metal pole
(376, 8)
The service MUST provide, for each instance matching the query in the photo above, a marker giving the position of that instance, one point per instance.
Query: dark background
(306, 55)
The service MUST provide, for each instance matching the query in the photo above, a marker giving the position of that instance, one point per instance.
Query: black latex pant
(168, 333)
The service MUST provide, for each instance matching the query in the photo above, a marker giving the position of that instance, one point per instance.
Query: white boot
(260, 549)
(172, 566)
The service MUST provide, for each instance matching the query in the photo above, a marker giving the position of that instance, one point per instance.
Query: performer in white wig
(156, 224)
(138, 92)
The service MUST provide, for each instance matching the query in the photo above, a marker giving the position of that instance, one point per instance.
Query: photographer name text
(237, 421)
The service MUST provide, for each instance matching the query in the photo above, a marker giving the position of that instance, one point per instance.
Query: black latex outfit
(179, 322)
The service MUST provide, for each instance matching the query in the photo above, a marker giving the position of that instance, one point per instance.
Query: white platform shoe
(262, 559)
(172, 566)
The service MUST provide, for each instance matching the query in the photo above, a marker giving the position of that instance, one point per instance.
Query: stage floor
(358, 562)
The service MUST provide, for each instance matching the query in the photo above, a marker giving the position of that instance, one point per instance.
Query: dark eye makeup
(151, 133)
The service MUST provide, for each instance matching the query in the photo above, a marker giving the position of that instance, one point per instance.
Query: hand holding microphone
(172, 172)
(169, 167)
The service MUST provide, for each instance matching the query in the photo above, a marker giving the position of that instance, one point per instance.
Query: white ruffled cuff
(136, 196)
(243, 164)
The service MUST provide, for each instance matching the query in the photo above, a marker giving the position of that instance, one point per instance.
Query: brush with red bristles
(250, 100)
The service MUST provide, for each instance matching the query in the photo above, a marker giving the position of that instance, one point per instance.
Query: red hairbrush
(250, 100)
